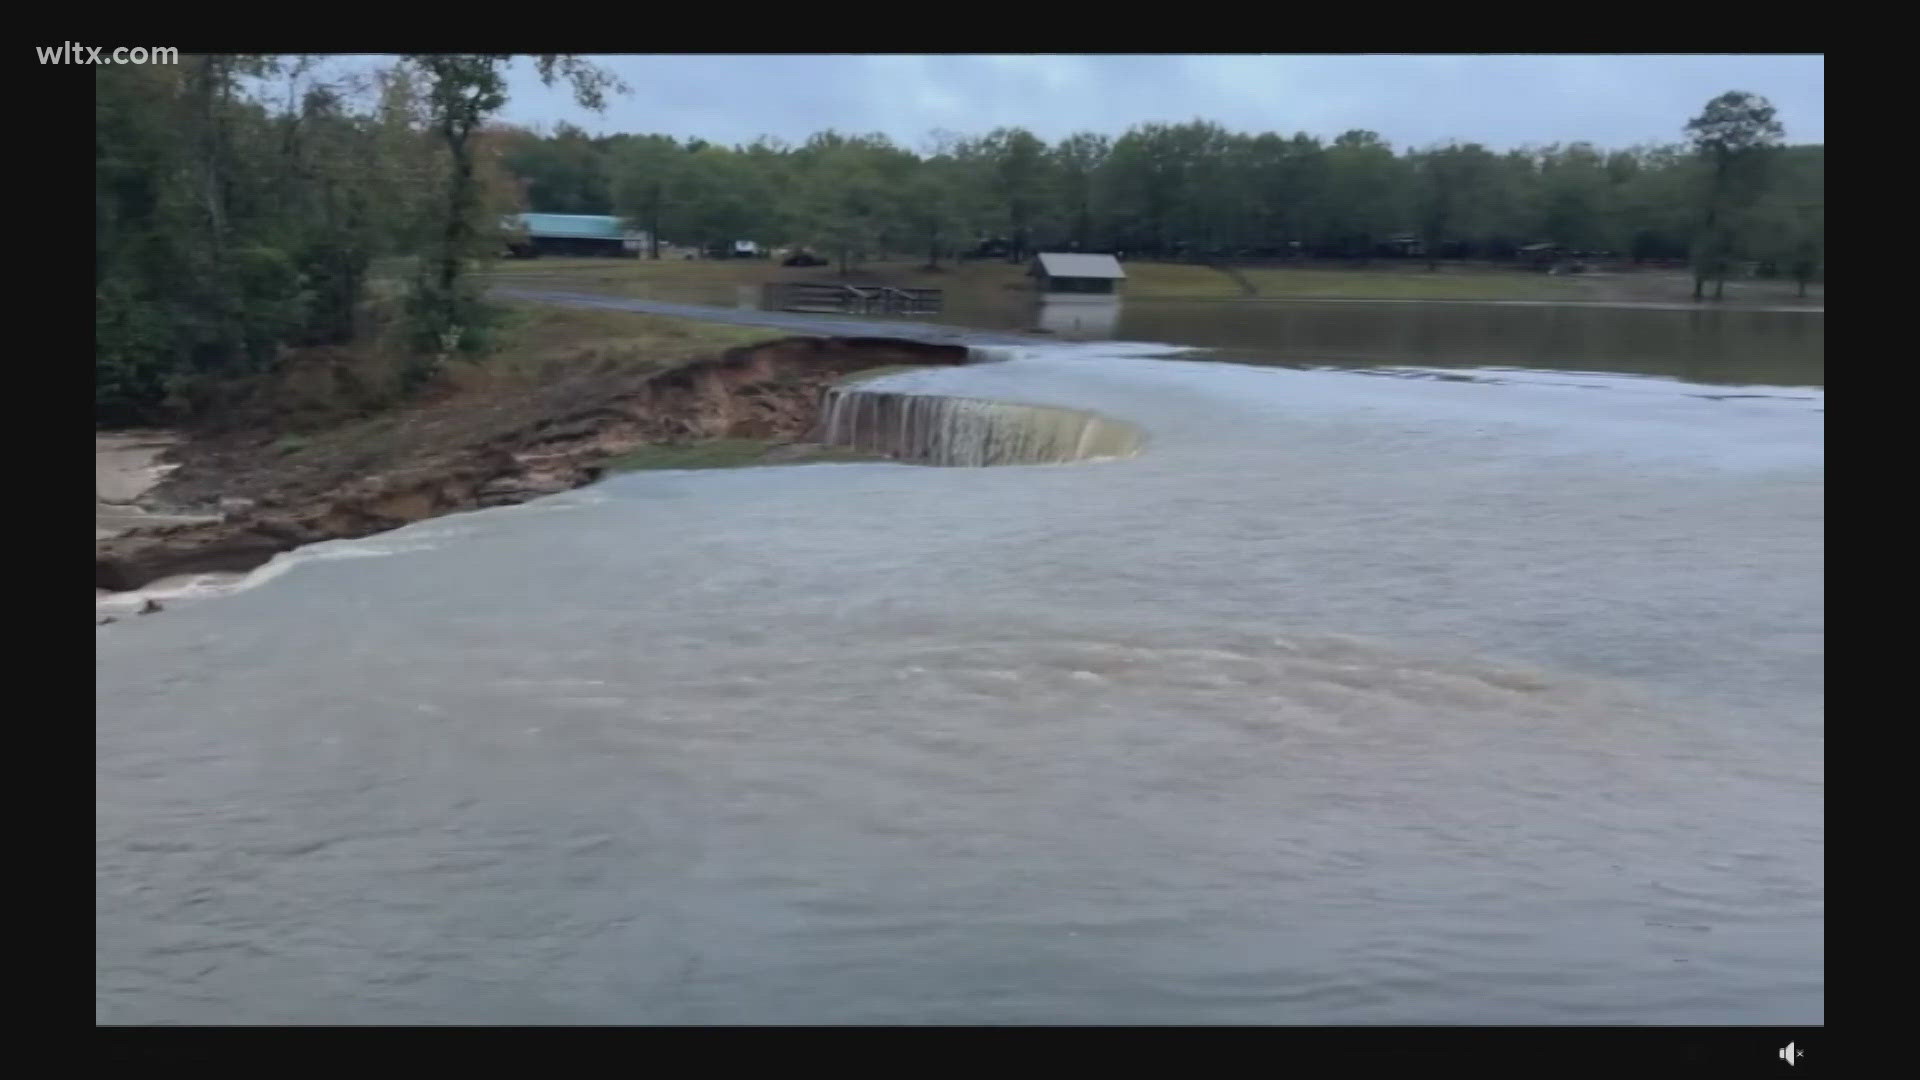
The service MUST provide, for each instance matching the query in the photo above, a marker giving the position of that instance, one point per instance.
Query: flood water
(1722, 346)
(1725, 345)
(1450, 697)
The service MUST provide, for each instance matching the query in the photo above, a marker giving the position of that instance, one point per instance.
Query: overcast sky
(1502, 101)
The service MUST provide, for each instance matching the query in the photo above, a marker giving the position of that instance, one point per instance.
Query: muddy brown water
(1473, 696)
(1728, 344)
(1724, 346)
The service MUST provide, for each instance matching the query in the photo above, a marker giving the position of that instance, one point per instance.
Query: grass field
(328, 399)
(533, 344)
(720, 281)
(727, 454)
(717, 279)
(531, 337)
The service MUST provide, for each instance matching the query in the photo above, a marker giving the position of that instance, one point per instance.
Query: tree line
(244, 203)
(1198, 191)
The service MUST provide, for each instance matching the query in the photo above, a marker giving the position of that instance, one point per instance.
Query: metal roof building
(1066, 272)
(573, 234)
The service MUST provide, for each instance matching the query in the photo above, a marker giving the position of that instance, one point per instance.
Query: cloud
(1502, 101)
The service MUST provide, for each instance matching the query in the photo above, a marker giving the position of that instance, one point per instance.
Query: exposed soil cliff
(275, 492)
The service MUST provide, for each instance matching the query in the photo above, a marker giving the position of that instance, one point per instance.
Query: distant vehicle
(746, 249)
(803, 257)
(993, 247)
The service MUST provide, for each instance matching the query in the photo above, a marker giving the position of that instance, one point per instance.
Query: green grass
(669, 278)
(344, 404)
(716, 281)
(1178, 281)
(991, 284)
(834, 453)
(725, 454)
(712, 454)
(536, 332)
(536, 343)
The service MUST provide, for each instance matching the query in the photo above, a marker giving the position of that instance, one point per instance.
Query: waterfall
(936, 430)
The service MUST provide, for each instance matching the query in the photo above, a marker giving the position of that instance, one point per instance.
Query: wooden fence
(838, 298)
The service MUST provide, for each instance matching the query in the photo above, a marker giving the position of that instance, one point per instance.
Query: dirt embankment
(124, 469)
(276, 491)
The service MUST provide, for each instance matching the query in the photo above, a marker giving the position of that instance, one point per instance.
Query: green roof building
(533, 235)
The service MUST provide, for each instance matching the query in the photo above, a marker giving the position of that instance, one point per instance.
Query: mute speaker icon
(1789, 1055)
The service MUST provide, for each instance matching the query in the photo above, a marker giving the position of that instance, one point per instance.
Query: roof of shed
(573, 226)
(1063, 264)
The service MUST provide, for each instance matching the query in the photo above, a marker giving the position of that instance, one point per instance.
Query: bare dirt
(126, 465)
(273, 491)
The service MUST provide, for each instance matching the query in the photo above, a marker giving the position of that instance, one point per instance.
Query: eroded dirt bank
(125, 468)
(275, 492)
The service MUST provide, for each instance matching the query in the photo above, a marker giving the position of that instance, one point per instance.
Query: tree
(206, 267)
(463, 90)
(1792, 216)
(723, 198)
(1364, 200)
(566, 173)
(1191, 190)
(240, 203)
(1456, 193)
(331, 207)
(1156, 185)
(1078, 160)
(1288, 177)
(1017, 173)
(1575, 191)
(842, 203)
(650, 173)
(1657, 205)
(1734, 137)
(934, 207)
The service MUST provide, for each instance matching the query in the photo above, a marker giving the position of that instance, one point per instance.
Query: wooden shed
(1067, 274)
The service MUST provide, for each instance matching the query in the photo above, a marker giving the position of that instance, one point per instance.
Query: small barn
(572, 234)
(1067, 274)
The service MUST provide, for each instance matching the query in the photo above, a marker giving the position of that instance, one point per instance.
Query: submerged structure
(1062, 275)
(1073, 320)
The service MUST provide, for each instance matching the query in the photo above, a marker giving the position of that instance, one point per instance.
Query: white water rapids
(1328, 697)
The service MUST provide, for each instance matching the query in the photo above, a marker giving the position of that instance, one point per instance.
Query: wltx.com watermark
(72, 52)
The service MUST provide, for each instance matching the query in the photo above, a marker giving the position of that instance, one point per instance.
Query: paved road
(782, 320)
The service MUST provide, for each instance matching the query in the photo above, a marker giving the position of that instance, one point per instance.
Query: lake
(1482, 683)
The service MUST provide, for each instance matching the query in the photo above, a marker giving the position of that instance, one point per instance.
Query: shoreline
(1153, 282)
(1614, 305)
(765, 397)
(126, 466)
